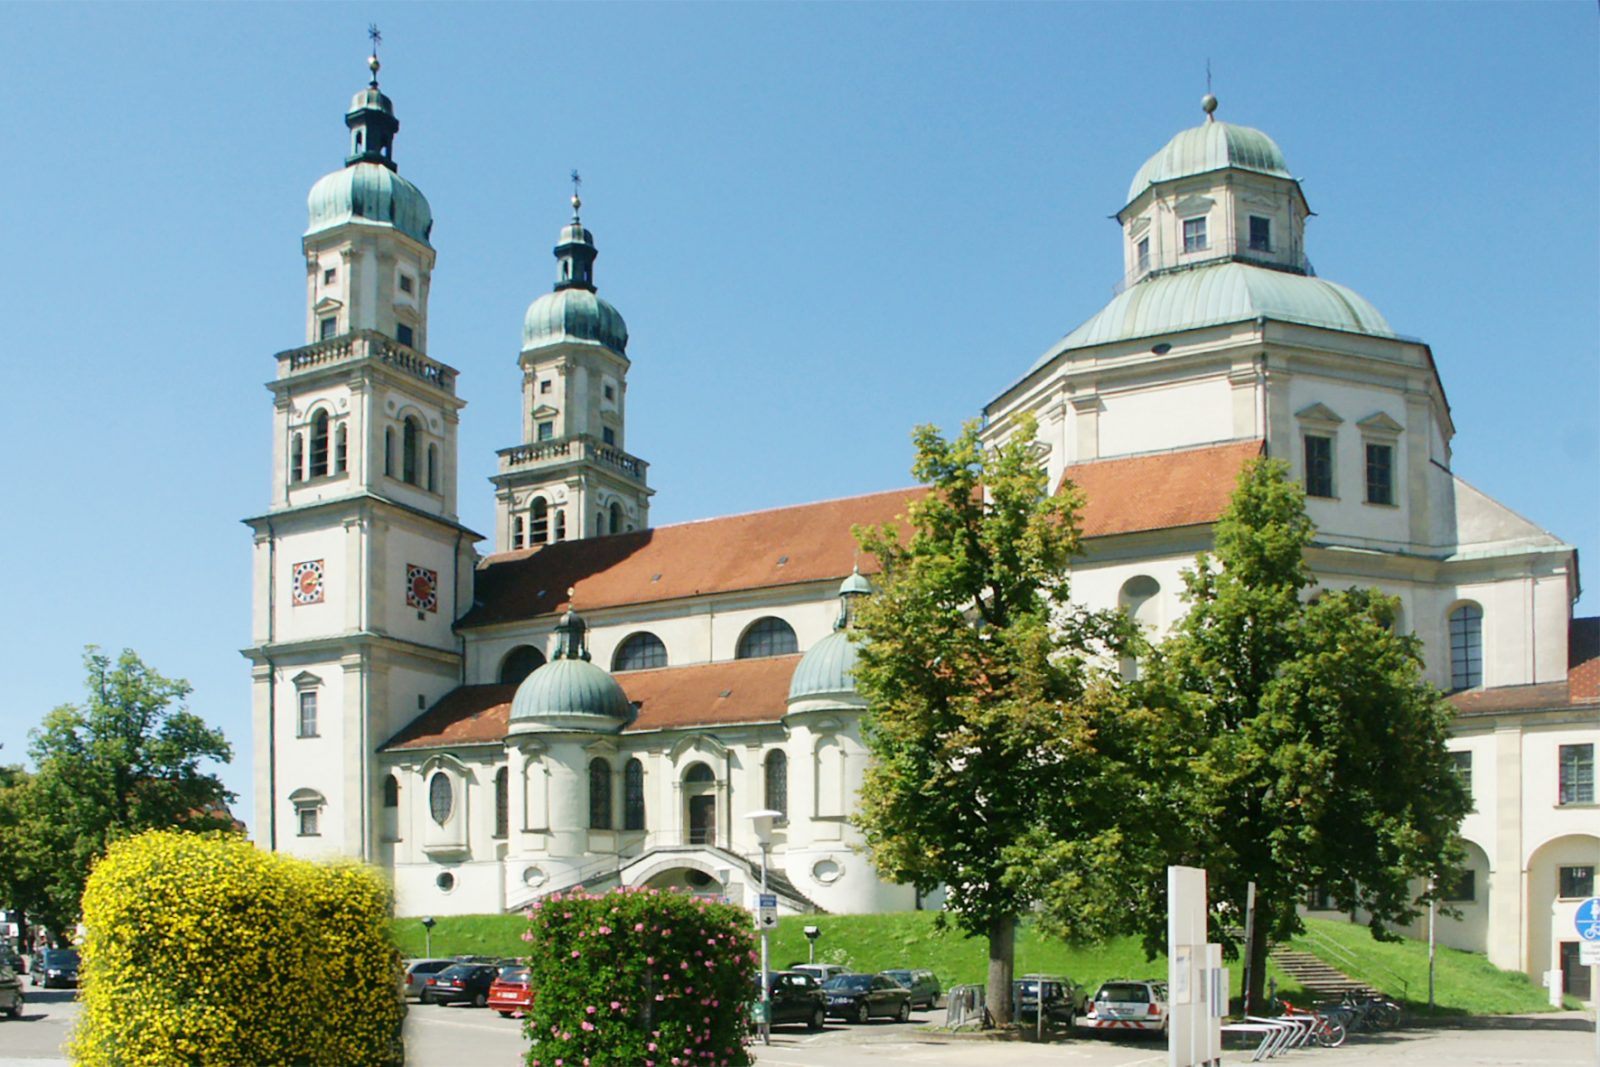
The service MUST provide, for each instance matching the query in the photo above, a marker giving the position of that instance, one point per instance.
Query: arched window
(319, 445)
(433, 468)
(539, 528)
(1466, 647)
(441, 798)
(502, 803)
(699, 774)
(391, 791)
(616, 517)
(297, 458)
(1139, 600)
(778, 782)
(388, 451)
(390, 819)
(599, 794)
(519, 663)
(633, 795)
(770, 636)
(700, 805)
(517, 535)
(640, 652)
(561, 526)
(341, 449)
(411, 451)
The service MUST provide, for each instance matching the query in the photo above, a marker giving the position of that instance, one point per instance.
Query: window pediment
(327, 304)
(1319, 413)
(545, 411)
(1139, 227)
(1194, 205)
(1380, 423)
(306, 680)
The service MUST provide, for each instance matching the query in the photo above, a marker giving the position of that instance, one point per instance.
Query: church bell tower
(360, 564)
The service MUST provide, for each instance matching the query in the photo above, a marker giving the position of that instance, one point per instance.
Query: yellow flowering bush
(203, 949)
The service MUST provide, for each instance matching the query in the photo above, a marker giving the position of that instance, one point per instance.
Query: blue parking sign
(1588, 919)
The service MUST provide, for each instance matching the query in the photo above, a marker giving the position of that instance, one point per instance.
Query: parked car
(820, 971)
(1133, 1006)
(1063, 999)
(11, 996)
(924, 985)
(797, 997)
(55, 967)
(418, 972)
(467, 982)
(511, 991)
(859, 997)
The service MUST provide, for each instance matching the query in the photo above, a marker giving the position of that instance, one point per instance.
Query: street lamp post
(761, 822)
(812, 933)
(427, 935)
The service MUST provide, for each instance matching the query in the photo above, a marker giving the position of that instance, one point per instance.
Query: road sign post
(1587, 923)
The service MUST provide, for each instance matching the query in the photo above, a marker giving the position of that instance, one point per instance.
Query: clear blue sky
(824, 224)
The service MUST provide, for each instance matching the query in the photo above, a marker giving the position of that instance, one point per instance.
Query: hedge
(639, 977)
(203, 949)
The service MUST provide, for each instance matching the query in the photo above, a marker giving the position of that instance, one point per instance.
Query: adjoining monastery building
(451, 717)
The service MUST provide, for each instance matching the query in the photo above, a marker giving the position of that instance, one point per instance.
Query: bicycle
(1326, 1030)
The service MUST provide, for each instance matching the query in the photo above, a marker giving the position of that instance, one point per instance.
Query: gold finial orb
(577, 202)
(1208, 104)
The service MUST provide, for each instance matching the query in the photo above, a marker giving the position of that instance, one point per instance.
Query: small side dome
(855, 585)
(570, 693)
(574, 315)
(1208, 147)
(372, 194)
(827, 672)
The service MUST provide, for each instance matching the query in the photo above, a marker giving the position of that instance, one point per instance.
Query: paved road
(438, 1036)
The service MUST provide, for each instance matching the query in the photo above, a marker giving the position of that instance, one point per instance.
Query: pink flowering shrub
(610, 985)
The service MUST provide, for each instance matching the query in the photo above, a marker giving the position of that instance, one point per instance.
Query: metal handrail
(1351, 960)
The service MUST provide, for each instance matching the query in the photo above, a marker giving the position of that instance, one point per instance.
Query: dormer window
(1260, 234)
(1194, 235)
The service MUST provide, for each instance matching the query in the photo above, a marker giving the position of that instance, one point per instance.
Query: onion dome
(369, 190)
(570, 693)
(572, 312)
(1209, 147)
(825, 675)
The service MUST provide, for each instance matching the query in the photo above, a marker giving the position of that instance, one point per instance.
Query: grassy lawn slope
(1466, 982)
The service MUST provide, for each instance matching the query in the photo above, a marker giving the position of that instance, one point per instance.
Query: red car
(510, 993)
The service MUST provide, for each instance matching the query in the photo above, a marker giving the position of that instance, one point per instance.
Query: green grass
(1465, 982)
(862, 942)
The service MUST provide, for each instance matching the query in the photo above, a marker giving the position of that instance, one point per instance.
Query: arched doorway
(700, 805)
(1562, 873)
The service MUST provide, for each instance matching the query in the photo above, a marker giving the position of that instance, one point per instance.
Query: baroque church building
(597, 702)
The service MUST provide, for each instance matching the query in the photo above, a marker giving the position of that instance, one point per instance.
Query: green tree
(1298, 744)
(129, 758)
(987, 706)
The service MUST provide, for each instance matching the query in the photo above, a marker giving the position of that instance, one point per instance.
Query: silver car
(419, 971)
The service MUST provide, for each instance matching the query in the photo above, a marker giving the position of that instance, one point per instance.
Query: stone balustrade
(367, 344)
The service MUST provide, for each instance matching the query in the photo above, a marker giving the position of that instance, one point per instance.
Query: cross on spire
(376, 36)
(577, 202)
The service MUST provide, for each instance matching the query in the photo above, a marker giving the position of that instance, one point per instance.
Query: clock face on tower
(422, 587)
(308, 582)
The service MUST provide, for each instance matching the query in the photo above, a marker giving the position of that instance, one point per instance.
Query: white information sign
(767, 911)
(1589, 953)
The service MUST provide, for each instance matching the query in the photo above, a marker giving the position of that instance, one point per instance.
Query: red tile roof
(762, 549)
(1161, 490)
(705, 694)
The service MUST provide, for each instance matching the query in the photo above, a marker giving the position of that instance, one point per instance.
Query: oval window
(533, 876)
(826, 871)
(446, 881)
(440, 797)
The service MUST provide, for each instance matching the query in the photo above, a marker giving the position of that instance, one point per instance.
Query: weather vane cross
(376, 36)
(1208, 74)
(577, 202)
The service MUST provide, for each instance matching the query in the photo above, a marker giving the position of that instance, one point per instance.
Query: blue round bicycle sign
(1588, 919)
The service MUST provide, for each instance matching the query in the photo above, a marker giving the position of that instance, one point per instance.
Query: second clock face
(422, 588)
(308, 582)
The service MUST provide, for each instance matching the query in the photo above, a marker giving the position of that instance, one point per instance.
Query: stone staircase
(1319, 978)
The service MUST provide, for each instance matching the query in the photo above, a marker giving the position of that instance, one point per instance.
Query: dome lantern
(570, 694)
(572, 312)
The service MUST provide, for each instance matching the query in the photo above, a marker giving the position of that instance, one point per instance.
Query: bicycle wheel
(1331, 1033)
(1386, 1014)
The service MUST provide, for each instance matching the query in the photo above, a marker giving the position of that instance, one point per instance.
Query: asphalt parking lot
(440, 1036)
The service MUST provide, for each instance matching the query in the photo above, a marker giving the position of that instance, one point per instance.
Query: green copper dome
(372, 194)
(827, 670)
(1165, 304)
(1208, 147)
(574, 315)
(570, 693)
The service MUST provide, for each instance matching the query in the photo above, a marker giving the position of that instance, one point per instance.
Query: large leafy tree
(1296, 743)
(988, 695)
(131, 757)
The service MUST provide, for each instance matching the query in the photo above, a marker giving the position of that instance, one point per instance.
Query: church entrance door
(703, 820)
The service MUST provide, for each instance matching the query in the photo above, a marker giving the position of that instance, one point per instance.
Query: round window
(826, 871)
(698, 879)
(533, 876)
(440, 797)
(446, 881)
